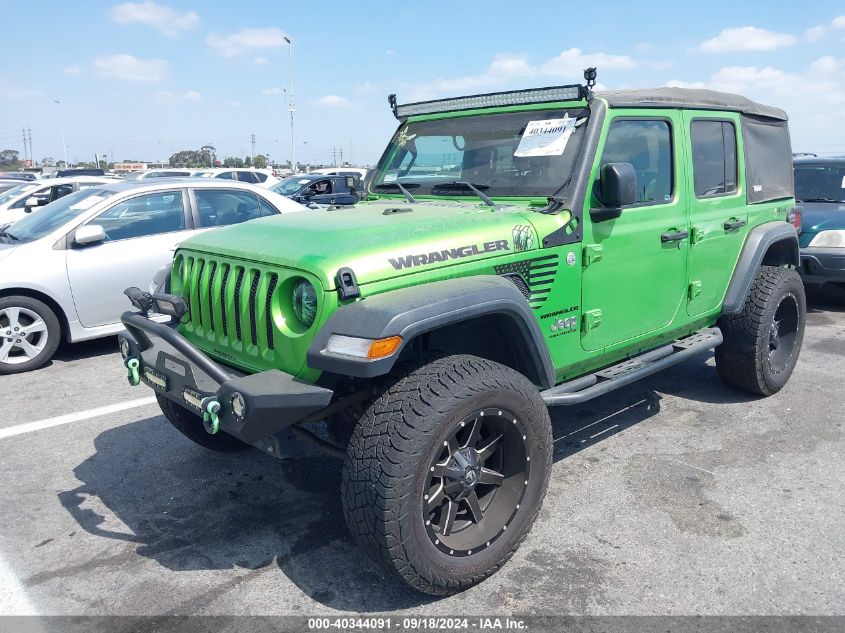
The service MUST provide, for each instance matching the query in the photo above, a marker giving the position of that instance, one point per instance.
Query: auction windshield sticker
(547, 137)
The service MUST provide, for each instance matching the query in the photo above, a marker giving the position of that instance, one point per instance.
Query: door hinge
(592, 319)
(592, 254)
(696, 234)
(694, 289)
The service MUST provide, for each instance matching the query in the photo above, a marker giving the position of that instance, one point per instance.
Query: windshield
(290, 186)
(52, 216)
(529, 153)
(820, 183)
(15, 192)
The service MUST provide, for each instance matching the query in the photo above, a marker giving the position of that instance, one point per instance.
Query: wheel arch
(483, 315)
(51, 302)
(769, 244)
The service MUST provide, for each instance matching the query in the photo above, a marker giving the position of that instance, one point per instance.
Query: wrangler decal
(423, 259)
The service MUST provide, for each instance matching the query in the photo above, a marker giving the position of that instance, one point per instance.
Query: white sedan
(25, 198)
(262, 178)
(63, 270)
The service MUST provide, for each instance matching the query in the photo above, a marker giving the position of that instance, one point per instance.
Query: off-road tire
(743, 360)
(52, 333)
(387, 467)
(190, 425)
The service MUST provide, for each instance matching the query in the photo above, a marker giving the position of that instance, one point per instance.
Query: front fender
(412, 311)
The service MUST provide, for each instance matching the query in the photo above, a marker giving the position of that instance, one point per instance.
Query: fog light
(238, 405)
(170, 305)
(156, 379)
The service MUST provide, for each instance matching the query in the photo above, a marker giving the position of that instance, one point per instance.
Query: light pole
(291, 105)
(62, 124)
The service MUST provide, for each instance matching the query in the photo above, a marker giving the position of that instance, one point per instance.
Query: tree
(209, 155)
(261, 161)
(247, 162)
(232, 161)
(10, 158)
(47, 162)
(187, 158)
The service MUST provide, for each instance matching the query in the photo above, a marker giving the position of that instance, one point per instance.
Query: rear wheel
(190, 425)
(29, 334)
(763, 341)
(446, 470)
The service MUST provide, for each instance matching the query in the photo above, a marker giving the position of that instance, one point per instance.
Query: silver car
(63, 270)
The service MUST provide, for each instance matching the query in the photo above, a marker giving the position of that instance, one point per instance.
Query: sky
(143, 80)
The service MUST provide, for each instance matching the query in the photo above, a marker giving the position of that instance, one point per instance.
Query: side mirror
(617, 189)
(34, 202)
(89, 234)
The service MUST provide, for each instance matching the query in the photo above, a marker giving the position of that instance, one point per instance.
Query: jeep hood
(380, 240)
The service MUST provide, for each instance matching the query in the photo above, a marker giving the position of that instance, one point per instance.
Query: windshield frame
(302, 181)
(835, 197)
(575, 109)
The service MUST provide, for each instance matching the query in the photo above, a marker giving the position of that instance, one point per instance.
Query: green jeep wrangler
(516, 251)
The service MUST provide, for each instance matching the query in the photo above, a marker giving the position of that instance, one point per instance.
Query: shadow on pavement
(190, 509)
(68, 352)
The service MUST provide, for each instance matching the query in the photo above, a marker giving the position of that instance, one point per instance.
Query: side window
(266, 208)
(227, 175)
(321, 187)
(221, 207)
(39, 193)
(647, 145)
(259, 176)
(247, 176)
(713, 157)
(60, 190)
(150, 214)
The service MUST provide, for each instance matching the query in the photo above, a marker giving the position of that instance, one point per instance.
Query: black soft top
(690, 98)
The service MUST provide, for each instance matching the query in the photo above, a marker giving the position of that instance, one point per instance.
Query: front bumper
(821, 265)
(176, 369)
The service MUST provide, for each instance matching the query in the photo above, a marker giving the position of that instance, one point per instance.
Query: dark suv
(820, 191)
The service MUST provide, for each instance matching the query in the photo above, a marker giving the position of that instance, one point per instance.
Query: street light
(62, 124)
(291, 106)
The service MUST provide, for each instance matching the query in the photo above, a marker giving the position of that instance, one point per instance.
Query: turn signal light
(384, 347)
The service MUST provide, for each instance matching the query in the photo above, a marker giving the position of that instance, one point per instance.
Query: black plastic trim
(409, 312)
(759, 240)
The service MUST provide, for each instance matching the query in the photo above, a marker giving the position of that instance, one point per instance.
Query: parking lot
(672, 496)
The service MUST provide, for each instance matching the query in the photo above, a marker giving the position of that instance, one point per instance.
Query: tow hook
(210, 409)
(132, 365)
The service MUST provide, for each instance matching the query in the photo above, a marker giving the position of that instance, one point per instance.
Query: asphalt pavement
(672, 496)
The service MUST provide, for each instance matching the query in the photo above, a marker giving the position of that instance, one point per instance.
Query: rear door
(141, 234)
(635, 266)
(718, 213)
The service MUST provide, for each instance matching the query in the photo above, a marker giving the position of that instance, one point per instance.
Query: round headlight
(305, 302)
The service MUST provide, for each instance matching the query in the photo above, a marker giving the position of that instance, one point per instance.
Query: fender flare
(409, 312)
(753, 255)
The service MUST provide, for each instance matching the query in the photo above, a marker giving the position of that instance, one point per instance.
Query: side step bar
(628, 371)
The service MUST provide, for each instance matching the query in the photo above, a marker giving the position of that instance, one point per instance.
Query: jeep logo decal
(408, 261)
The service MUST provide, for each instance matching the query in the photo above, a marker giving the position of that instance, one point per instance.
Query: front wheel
(763, 341)
(29, 334)
(446, 471)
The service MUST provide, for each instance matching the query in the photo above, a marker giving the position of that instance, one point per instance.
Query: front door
(141, 234)
(635, 266)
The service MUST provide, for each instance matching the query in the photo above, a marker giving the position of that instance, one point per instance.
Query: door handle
(734, 223)
(673, 236)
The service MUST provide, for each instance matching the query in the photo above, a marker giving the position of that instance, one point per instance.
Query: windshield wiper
(460, 184)
(820, 200)
(400, 187)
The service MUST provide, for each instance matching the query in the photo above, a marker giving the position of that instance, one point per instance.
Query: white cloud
(246, 40)
(166, 96)
(746, 38)
(815, 33)
(192, 95)
(272, 91)
(73, 70)
(838, 22)
(11, 91)
(509, 68)
(164, 19)
(131, 68)
(259, 60)
(332, 101)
